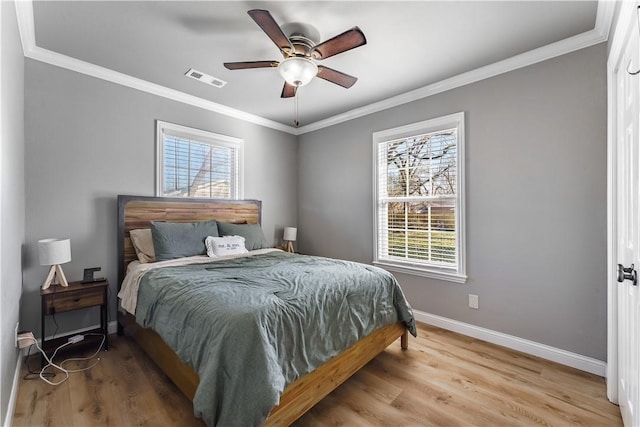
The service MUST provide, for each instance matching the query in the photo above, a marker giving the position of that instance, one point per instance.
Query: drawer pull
(76, 299)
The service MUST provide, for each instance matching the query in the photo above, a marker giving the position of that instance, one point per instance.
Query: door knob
(628, 273)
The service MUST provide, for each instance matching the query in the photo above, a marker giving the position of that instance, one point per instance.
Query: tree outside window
(418, 200)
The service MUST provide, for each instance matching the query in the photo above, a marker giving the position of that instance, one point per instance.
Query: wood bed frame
(137, 212)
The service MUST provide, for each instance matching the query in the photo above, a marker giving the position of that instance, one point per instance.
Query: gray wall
(12, 203)
(536, 200)
(87, 141)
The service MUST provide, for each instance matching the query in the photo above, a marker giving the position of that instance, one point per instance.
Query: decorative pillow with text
(226, 245)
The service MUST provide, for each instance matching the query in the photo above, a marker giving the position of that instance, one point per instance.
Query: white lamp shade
(290, 234)
(297, 71)
(54, 251)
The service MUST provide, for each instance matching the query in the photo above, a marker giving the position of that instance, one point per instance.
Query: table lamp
(54, 252)
(289, 237)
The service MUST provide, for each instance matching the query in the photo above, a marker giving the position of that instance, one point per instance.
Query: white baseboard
(14, 392)
(578, 361)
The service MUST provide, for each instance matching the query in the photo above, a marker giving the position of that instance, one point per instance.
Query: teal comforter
(250, 326)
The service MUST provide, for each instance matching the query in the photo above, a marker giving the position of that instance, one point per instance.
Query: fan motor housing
(300, 45)
(303, 36)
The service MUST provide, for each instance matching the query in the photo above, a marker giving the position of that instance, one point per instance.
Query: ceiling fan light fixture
(297, 71)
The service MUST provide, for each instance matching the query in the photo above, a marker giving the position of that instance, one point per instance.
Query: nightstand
(58, 299)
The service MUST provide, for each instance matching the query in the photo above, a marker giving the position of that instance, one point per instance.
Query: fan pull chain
(296, 123)
(636, 72)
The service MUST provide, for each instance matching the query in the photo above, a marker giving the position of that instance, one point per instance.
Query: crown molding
(24, 11)
(544, 53)
(604, 18)
(600, 33)
(26, 28)
(99, 72)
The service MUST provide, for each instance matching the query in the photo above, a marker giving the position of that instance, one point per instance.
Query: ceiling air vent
(205, 78)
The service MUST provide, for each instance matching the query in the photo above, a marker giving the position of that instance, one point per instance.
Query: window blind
(419, 214)
(198, 165)
(417, 179)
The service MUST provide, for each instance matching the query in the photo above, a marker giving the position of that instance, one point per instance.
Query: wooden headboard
(138, 211)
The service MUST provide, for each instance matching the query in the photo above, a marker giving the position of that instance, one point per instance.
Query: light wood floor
(444, 379)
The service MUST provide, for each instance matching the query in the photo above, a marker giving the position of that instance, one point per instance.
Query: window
(419, 194)
(196, 163)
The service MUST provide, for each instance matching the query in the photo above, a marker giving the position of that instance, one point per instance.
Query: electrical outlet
(26, 339)
(15, 337)
(473, 301)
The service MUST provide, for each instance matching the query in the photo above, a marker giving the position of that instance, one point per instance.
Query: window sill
(423, 272)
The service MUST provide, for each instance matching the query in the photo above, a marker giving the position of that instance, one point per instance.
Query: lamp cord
(43, 375)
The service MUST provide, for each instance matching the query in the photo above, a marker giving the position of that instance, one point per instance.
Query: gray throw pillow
(252, 233)
(181, 239)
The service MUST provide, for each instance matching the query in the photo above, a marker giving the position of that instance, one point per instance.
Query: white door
(627, 154)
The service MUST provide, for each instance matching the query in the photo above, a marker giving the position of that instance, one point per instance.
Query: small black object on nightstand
(88, 275)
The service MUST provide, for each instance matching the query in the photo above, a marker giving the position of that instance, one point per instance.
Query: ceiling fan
(300, 50)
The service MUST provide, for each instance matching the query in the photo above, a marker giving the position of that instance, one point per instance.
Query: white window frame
(453, 274)
(202, 136)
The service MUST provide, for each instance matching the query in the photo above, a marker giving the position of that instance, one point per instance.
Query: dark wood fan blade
(335, 76)
(348, 40)
(250, 64)
(271, 28)
(288, 91)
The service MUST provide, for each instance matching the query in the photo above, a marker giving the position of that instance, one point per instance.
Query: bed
(298, 395)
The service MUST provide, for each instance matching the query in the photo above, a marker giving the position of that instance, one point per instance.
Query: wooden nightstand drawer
(58, 303)
(59, 299)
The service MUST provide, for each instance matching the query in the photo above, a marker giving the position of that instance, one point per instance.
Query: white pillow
(226, 245)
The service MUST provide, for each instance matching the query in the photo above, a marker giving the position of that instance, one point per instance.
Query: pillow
(227, 245)
(252, 233)
(143, 244)
(181, 239)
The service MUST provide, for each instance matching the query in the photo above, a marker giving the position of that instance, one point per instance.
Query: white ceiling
(411, 46)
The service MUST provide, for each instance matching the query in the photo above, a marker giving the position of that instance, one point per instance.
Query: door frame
(626, 20)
